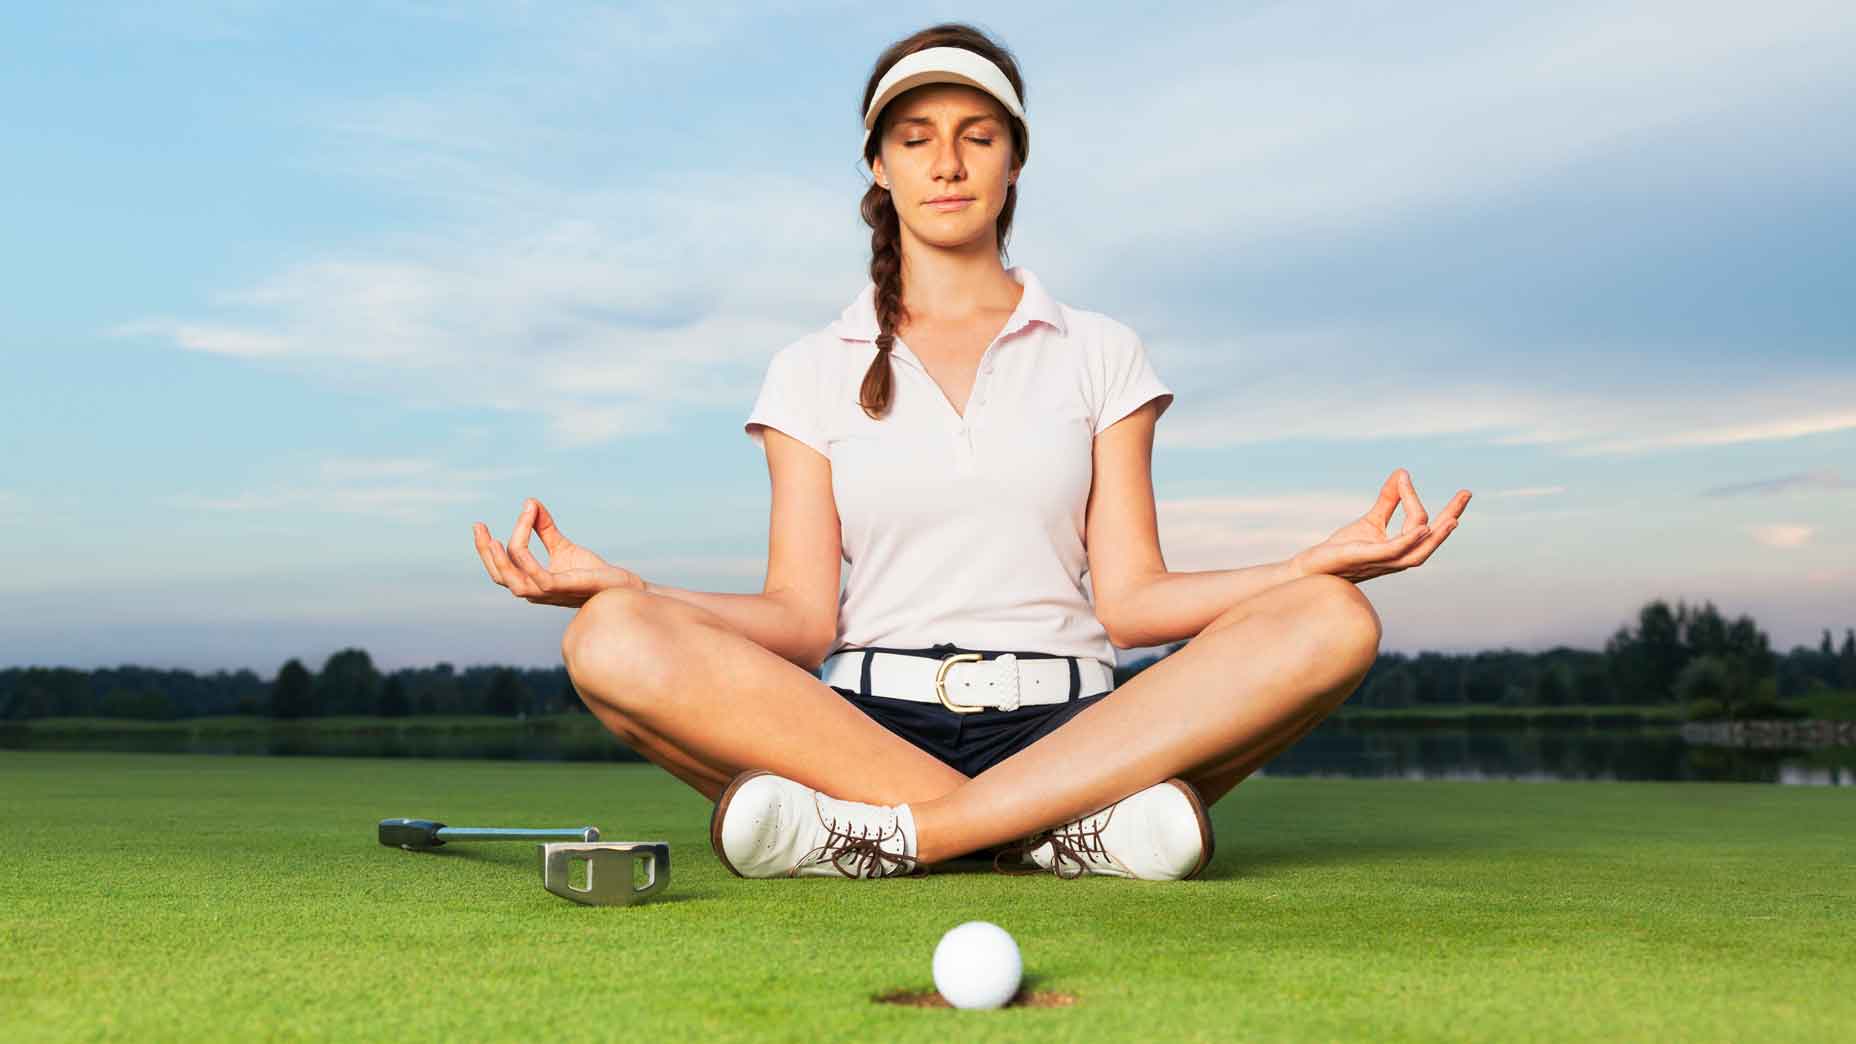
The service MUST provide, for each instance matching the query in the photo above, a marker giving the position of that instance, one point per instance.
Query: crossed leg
(691, 695)
(678, 685)
(1250, 685)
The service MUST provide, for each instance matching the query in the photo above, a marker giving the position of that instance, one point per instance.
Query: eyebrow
(901, 120)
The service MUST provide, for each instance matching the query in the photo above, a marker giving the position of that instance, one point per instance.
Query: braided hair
(879, 209)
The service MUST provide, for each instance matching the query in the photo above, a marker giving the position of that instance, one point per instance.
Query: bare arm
(1139, 601)
(1167, 607)
(772, 620)
(796, 614)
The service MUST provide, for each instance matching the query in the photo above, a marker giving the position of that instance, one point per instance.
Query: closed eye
(923, 141)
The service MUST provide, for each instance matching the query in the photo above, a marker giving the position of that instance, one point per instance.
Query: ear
(876, 170)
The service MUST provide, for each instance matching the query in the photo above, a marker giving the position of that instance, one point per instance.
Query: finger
(550, 534)
(1381, 511)
(1408, 496)
(480, 535)
(525, 521)
(518, 582)
(1423, 551)
(531, 567)
(518, 543)
(1367, 552)
(1458, 503)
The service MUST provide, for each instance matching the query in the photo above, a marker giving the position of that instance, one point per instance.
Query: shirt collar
(858, 321)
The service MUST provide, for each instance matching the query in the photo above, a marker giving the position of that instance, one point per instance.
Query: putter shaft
(415, 834)
(452, 833)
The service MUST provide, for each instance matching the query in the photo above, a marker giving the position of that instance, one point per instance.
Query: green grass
(182, 897)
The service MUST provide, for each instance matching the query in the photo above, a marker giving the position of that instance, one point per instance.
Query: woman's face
(946, 139)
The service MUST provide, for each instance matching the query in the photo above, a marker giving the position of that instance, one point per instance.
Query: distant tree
(1704, 678)
(508, 694)
(1553, 687)
(1846, 661)
(570, 696)
(348, 684)
(1395, 686)
(1703, 631)
(1644, 663)
(146, 704)
(443, 694)
(292, 694)
(1592, 686)
(393, 702)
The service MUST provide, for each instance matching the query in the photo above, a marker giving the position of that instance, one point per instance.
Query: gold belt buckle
(940, 683)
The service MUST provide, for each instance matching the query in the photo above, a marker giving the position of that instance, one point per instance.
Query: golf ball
(976, 965)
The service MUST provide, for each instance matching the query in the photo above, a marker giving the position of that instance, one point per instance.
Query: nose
(947, 164)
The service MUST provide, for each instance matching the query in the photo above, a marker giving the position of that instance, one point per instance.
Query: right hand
(573, 574)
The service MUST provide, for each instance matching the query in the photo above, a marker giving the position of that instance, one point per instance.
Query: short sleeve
(788, 401)
(1127, 379)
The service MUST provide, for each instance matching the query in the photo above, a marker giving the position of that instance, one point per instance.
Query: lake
(1336, 749)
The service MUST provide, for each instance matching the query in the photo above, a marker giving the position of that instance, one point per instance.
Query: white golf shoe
(1159, 834)
(769, 826)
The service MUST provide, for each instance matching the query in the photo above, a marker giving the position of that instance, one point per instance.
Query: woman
(972, 448)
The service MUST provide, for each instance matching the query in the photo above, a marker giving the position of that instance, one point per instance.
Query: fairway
(181, 896)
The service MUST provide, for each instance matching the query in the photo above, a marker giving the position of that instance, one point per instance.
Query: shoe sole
(1205, 824)
(721, 807)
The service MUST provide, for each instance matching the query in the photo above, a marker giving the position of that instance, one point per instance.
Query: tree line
(1685, 654)
(347, 684)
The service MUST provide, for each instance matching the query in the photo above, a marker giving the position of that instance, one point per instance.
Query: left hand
(1361, 549)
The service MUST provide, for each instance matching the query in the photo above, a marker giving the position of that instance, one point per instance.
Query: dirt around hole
(933, 999)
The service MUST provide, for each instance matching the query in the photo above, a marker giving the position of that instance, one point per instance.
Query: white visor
(941, 65)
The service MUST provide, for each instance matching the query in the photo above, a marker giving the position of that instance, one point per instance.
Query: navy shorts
(970, 743)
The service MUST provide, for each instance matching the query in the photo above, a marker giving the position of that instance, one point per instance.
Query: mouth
(950, 202)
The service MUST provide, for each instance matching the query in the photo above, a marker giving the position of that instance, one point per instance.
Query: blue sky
(296, 294)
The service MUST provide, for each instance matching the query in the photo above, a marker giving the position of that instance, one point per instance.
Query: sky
(297, 293)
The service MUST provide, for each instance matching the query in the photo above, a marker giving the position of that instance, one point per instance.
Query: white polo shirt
(965, 530)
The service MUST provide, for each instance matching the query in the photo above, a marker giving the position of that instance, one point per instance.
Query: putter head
(610, 870)
(410, 834)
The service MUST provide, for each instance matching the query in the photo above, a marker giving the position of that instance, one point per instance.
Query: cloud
(611, 304)
(1200, 533)
(398, 489)
(1590, 419)
(1297, 132)
(1783, 536)
(1809, 481)
(1529, 491)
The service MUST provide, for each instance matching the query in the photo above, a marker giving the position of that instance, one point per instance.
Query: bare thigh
(706, 703)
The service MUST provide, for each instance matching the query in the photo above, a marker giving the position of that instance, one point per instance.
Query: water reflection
(1336, 749)
(1339, 750)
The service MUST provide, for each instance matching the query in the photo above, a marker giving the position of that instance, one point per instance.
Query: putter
(416, 835)
(610, 870)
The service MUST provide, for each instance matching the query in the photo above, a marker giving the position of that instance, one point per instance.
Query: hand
(573, 574)
(1361, 550)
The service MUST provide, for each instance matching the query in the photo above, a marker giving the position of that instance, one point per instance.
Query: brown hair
(879, 209)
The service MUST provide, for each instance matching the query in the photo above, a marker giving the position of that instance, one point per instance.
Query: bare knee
(1348, 630)
(616, 649)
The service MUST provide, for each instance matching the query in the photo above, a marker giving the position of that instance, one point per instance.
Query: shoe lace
(857, 851)
(1072, 845)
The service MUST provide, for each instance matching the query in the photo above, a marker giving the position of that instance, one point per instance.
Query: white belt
(964, 682)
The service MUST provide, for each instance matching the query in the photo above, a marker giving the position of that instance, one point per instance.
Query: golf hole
(1021, 999)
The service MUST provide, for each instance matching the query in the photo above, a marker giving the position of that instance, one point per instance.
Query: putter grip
(410, 833)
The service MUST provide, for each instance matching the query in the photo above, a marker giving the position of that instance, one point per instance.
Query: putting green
(176, 896)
